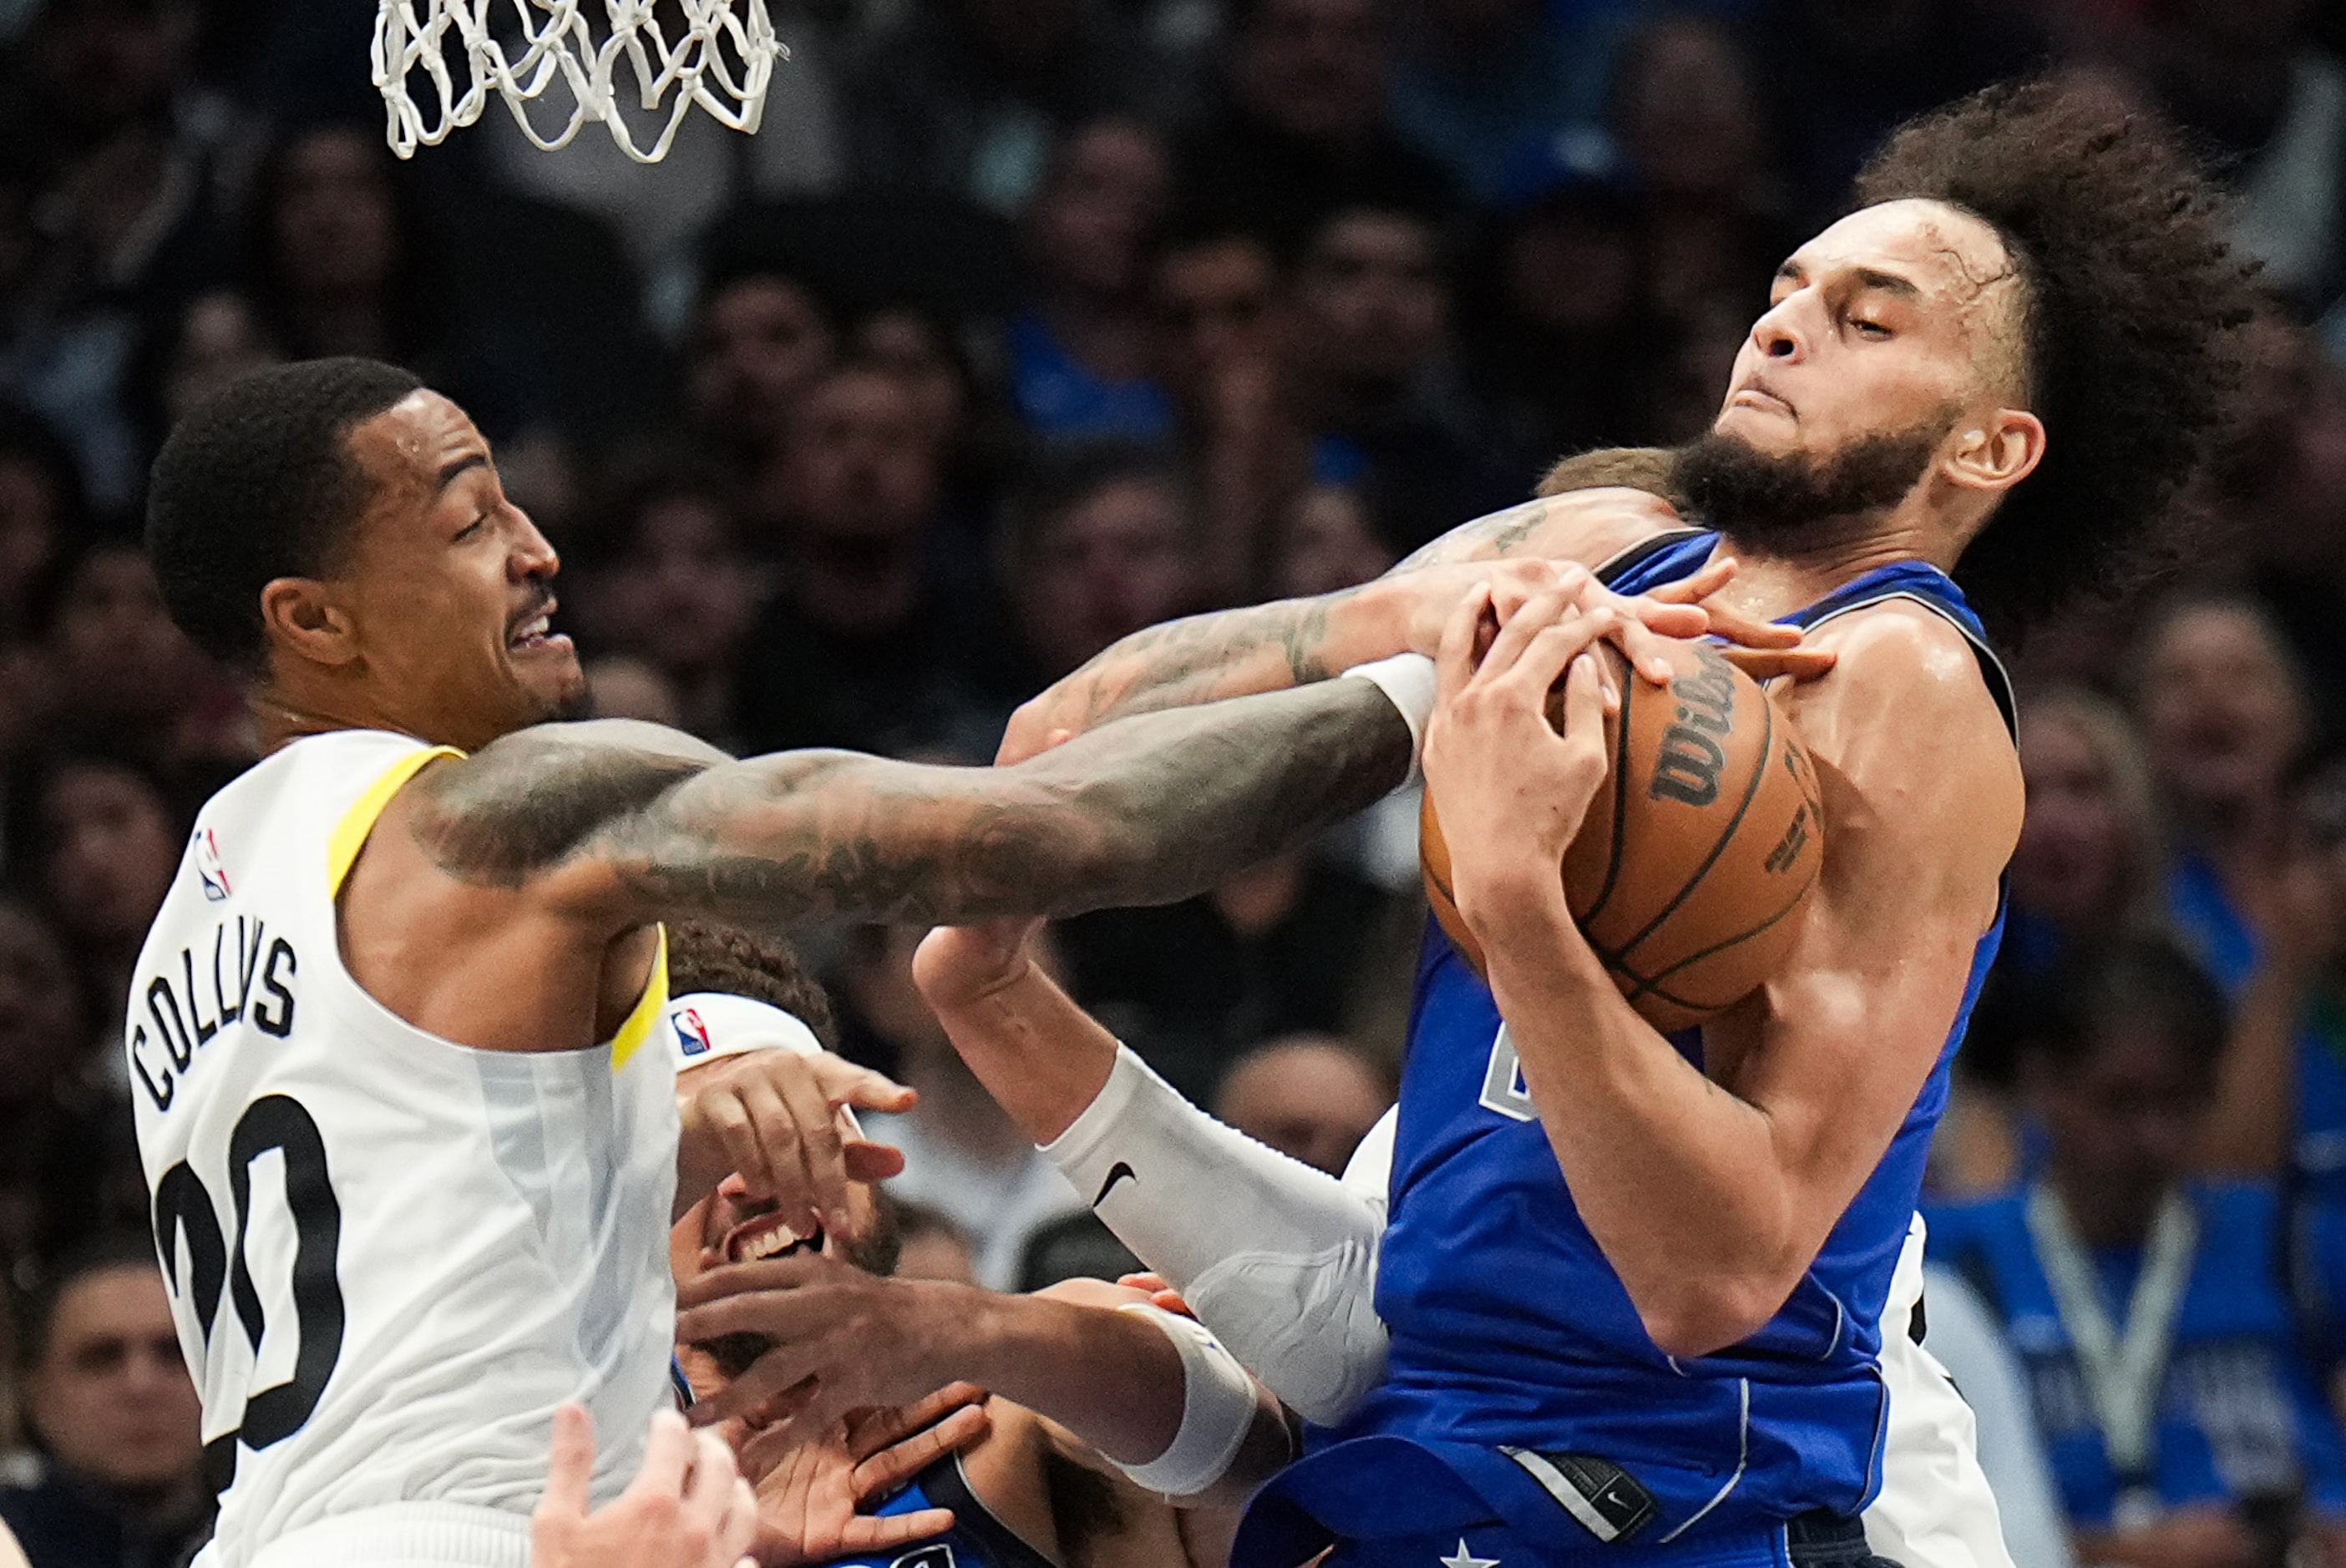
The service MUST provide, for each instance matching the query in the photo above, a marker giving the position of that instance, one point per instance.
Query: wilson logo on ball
(1686, 767)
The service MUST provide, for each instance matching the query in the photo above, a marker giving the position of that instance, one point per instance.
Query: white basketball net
(718, 60)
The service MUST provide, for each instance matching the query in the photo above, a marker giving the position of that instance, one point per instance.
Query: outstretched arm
(1553, 540)
(1277, 1258)
(613, 836)
(844, 1340)
(1292, 642)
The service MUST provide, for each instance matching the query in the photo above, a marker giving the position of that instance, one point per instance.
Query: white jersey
(390, 1257)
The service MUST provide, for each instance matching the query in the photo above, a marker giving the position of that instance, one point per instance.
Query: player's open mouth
(772, 1236)
(537, 632)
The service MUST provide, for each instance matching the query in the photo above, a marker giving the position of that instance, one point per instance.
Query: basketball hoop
(721, 61)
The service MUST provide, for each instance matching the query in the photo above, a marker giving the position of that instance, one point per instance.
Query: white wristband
(1408, 680)
(703, 1025)
(1218, 1408)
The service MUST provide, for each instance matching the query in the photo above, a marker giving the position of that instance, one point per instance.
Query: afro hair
(2134, 303)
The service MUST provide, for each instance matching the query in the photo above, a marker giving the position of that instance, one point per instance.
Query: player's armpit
(1710, 1198)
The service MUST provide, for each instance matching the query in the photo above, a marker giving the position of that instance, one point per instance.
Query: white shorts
(1935, 1509)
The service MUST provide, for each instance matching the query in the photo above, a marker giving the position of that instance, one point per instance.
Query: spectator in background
(1560, 328)
(44, 513)
(1081, 356)
(196, 349)
(99, 839)
(673, 586)
(1286, 947)
(2090, 866)
(114, 1418)
(2217, 1451)
(1216, 294)
(2245, 77)
(864, 646)
(1311, 1096)
(923, 350)
(44, 509)
(1327, 541)
(2281, 1109)
(963, 1158)
(2277, 497)
(1373, 374)
(116, 668)
(1101, 543)
(1301, 130)
(2092, 860)
(121, 152)
(2223, 710)
(760, 340)
(1839, 74)
(1686, 114)
(1479, 80)
(967, 98)
(57, 1114)
(343, 261)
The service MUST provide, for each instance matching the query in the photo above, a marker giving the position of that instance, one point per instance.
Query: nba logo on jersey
(692, 1033)
(213, 875)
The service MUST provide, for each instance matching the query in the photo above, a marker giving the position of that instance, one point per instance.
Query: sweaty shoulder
(1906, 720)
(523, 802)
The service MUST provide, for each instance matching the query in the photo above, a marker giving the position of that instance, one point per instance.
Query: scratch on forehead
(1965, 244)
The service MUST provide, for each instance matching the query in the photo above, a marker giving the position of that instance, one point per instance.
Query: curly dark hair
(2133, 301)
(703, 956)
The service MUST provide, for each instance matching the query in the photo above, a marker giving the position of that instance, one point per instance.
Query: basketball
(1691, 873)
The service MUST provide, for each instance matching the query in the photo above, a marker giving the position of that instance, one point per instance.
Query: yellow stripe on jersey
(350, 835)
(651, 1008)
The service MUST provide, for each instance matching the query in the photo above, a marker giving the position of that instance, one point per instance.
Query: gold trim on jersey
(650, 1008)
(350, 834)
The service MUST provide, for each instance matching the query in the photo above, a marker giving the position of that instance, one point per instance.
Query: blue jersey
(2239, 1413)
(977, 1539)
(1521, 1384)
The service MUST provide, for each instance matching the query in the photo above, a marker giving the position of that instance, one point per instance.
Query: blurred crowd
(1024, 324)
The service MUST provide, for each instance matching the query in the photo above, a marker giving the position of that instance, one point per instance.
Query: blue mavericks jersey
(1521, 1385)
(977, 1540)
(2240, 1414)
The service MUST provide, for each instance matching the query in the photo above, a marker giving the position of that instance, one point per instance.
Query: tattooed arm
(614, 834)
(1291, 642)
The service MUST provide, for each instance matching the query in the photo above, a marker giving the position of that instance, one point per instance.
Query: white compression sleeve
(1217, 1405)
(1278, 1260)
(1369, 1172)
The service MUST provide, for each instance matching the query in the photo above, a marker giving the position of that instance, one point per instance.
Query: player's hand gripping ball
(1691, 873)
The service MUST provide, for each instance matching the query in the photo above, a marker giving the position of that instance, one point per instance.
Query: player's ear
(1998, 452)
(307, 619)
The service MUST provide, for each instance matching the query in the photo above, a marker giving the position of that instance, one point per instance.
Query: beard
(1747, 494)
